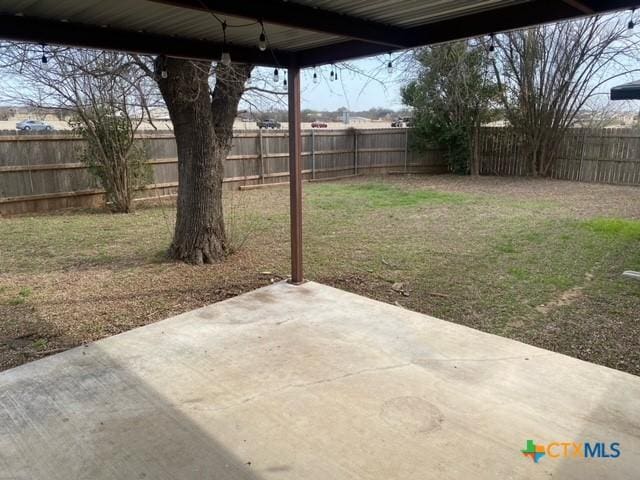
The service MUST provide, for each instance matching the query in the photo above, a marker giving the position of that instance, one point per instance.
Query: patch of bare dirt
(567, 298)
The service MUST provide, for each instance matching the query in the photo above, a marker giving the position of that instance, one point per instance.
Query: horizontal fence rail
(43, 173)
(586, 155)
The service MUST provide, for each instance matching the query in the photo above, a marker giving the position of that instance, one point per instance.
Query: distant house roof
(626, 91)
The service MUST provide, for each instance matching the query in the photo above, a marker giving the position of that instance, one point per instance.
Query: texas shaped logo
(533, 451)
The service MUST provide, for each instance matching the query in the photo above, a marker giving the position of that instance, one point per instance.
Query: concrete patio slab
(311, 382)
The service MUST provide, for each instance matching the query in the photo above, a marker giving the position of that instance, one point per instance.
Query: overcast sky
(361, 85)
(355, 90)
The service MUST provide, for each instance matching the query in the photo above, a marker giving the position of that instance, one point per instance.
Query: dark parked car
(318, 125)
(268, 124)
(33, 126)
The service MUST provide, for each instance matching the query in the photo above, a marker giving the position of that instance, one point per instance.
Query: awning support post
(295, 174)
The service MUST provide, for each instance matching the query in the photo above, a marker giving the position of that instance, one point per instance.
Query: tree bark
(203, 130)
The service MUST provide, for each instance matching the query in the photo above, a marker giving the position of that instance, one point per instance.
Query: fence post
(355, 151)
(582, 148)
(406, 148)
(261, 156)
(313, 153)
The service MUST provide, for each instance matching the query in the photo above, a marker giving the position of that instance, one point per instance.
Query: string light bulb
(225, 58)
(262, 41)
(631, 23)
(316, 80)
(331, 75)
(44, 58)
(390, 67)
(492, 47)
(276, 76)
(163, 73)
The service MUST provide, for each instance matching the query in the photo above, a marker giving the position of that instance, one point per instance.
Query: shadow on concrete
(88, 417)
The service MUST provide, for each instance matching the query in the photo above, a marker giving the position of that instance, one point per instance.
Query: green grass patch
(21, 297)
(615, 227)
(378, 195)
(519, 274)
(40, 344)
(506, 247)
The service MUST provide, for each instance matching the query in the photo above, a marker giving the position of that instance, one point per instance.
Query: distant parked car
(268, 124)
(318, 125)
(403, 122)
(33, 126)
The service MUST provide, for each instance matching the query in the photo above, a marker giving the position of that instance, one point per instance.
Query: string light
(332, 74)
(631, 24)
(276, 76)
(284, 82)
(390, 66)
(316, 80)
(44, 55)
(492, 47)
(225, 58)
(262, 42)
(161, 66)
(335, 77)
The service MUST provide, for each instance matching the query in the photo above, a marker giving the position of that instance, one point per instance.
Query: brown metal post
(295, 175)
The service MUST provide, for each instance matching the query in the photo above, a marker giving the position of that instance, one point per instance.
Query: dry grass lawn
(535, 260)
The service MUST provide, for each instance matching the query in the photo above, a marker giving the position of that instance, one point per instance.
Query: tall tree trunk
(203, 134)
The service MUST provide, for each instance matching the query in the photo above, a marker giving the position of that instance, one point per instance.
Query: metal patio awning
(626, 91)
(304, 32)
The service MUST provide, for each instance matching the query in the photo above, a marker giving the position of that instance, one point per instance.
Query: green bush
(114, 156)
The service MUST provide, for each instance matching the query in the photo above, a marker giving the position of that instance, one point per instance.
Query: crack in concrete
(486, 359)
(304, 385)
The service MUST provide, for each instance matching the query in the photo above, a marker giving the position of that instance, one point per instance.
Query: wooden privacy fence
(585, 155)
(42, 173)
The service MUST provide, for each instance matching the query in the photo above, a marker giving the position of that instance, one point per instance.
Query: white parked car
(33, 126)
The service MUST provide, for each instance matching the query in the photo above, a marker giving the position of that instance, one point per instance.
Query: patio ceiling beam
(586, 9)
(521, 15)
(30, 29)
(294, 15)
